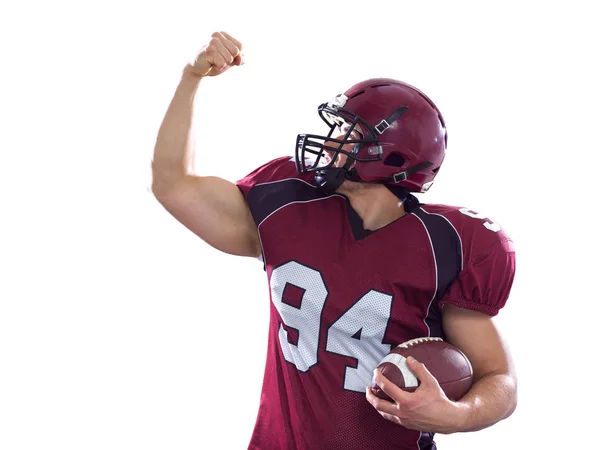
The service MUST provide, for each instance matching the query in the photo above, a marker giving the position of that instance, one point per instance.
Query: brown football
(448, 365)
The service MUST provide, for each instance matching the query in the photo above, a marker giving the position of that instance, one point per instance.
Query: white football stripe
(410, 380)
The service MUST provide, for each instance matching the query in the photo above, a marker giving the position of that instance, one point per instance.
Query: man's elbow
(511, 394)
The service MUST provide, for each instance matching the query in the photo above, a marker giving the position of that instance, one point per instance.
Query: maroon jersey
(343, 296)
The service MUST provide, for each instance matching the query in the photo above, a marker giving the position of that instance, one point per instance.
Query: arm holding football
(478, 293)
(213, 208)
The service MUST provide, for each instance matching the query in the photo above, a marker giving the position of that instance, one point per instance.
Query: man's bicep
(216, 211)
(478, 293)
(476, 334)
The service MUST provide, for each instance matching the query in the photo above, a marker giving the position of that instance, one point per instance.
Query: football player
(356, 265)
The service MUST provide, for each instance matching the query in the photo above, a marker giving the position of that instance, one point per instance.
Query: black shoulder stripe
(447, 249)
(264, 199)
(446, 246)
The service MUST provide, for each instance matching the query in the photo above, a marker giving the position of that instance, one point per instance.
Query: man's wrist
(191, 73)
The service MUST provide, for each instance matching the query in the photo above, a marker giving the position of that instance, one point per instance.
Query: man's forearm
(173, 153)
(491, 399)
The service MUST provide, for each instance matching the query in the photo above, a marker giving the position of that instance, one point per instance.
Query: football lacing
(419, 340)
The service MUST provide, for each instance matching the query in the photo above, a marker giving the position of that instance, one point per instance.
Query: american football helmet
(392, 134)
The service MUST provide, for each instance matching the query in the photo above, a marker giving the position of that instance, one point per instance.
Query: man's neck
(374, 203)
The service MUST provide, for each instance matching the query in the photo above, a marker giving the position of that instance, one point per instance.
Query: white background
(119, 329)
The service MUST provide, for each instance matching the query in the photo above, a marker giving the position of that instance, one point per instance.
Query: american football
(448, 365)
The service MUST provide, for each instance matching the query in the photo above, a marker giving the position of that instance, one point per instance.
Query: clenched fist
(222, 52)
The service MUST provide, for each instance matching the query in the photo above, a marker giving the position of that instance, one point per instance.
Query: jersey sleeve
(485, 282)
(265, 173)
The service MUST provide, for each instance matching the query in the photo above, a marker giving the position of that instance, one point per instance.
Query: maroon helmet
(398, 137)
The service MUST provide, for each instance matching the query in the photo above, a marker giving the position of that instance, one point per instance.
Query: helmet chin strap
(331, 179)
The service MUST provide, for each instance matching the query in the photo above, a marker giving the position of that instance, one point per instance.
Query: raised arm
(211, 207)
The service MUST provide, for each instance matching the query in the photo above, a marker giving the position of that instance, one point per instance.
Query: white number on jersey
(369, 317)
(306, 319)
(367, 320)
(489, 224)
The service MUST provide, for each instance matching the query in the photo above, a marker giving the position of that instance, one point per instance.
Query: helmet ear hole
(394, 159)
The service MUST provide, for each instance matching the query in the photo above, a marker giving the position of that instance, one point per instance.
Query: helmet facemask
(313, 148)
(317, 153)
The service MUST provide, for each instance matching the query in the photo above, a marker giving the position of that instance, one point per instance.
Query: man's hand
(425, 409)
(222, 52)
